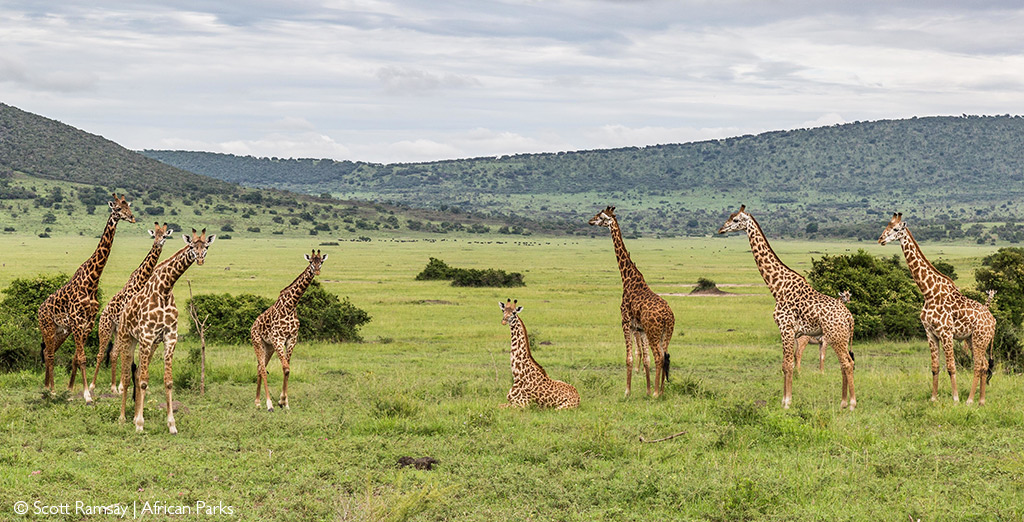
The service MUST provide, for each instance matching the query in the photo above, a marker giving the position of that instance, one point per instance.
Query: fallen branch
(674, 435)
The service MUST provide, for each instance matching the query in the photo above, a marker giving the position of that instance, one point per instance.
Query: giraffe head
(197, 245)
(160, 234)
(737, 221)
(604, 218)
(844, 296)
(316, 261)
(121, 209)
(510, 311)
(896, 231)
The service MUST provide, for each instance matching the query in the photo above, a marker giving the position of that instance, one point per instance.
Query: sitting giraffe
(71, 310)
(947, 315)
(646, 316)
(112, 312)
(799, 309)
(150, 316)
(277, 330)
(530, 383)
(804, 340)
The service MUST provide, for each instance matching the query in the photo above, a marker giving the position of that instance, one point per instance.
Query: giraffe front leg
(788, 356)
(933, 347)
(126, 352)
(643, 350)
(286, 369)
(79, 365)
(142, 380)
(947, 347)
(627, 333)
(170, 340)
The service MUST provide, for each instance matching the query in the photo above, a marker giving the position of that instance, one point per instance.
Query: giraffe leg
(170, 340)
(947, 347)
(286, 368)
(257, 347)
(801, 344)
(105, 334)
(267, 355)
(788, 349)
(125, 348)
(840, 345)
(79, 364)
(821, 355)
(627, 333)
(979, 343)
(643, 350)
(142, 378)
(933, 346)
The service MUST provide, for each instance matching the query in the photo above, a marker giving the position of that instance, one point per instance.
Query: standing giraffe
(799, 309)
(71, 310)
(645, 315)
(530, 383)
(112, 312)
(947, 315)
(804, 340)
(150, 316)
(277, 330)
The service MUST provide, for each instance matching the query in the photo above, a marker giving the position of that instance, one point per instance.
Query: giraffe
(799, 309)
(150, 316)
(530, 383)
(277, 330)
(71, 310)
(947, 315)
(804, 340)
(645, 315)
(112, 312)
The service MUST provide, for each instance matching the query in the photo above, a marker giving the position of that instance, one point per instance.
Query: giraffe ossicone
(530, 383)
(799, 309)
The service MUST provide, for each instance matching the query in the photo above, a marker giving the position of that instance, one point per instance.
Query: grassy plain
(434, 368)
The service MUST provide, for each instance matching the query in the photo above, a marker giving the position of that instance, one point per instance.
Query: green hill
(841, 180)
(52, 176)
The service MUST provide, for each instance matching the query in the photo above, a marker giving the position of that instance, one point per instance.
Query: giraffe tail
(988, 376)
(42, 352)
(135, 396)
(665, 366)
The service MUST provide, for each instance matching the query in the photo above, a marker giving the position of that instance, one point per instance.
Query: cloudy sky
(391, 80)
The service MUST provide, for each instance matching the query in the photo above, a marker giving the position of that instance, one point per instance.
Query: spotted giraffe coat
(530, 383)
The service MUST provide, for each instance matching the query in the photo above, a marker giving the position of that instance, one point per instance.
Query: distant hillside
(53, 177)
(835, 180)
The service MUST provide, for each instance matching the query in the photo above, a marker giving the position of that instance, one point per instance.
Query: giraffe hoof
(853, 404)
(970, 401)
(173, 430)
(270, 409)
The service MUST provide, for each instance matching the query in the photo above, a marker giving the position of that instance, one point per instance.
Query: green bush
(439, 270)
(322, 316)
(19, 342)
(704, 284)
(24, 296)
(885, 302)
(1004, 273)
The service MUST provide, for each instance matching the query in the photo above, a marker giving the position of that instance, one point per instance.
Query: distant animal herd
(143, 313)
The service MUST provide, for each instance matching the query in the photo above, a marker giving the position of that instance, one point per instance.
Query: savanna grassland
(434, 367)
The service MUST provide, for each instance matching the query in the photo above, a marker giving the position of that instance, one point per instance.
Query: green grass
(434, 369)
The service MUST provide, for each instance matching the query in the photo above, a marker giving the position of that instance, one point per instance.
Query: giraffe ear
(322, 259)
(151, 233)
(502, 305)
(519, 309)
(209, 240)
(308, 258)
(187, 238)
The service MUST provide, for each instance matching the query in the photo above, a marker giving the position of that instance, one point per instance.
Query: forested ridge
(940, 169)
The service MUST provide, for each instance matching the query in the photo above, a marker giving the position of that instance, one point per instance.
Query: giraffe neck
(523, 363)
(775, 273)
(167, 273)
(142, 273)
(627, 269)
(931, 282)
(88, 275)
(289, 297)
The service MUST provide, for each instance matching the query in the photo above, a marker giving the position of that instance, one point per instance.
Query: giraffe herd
(144, 314)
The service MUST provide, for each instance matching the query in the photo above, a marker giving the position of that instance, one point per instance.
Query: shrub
(19, 342)
(23, 296)
(437, 269)
(885, 302)
(704, 284)
(1004, 273)
(322, 316)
